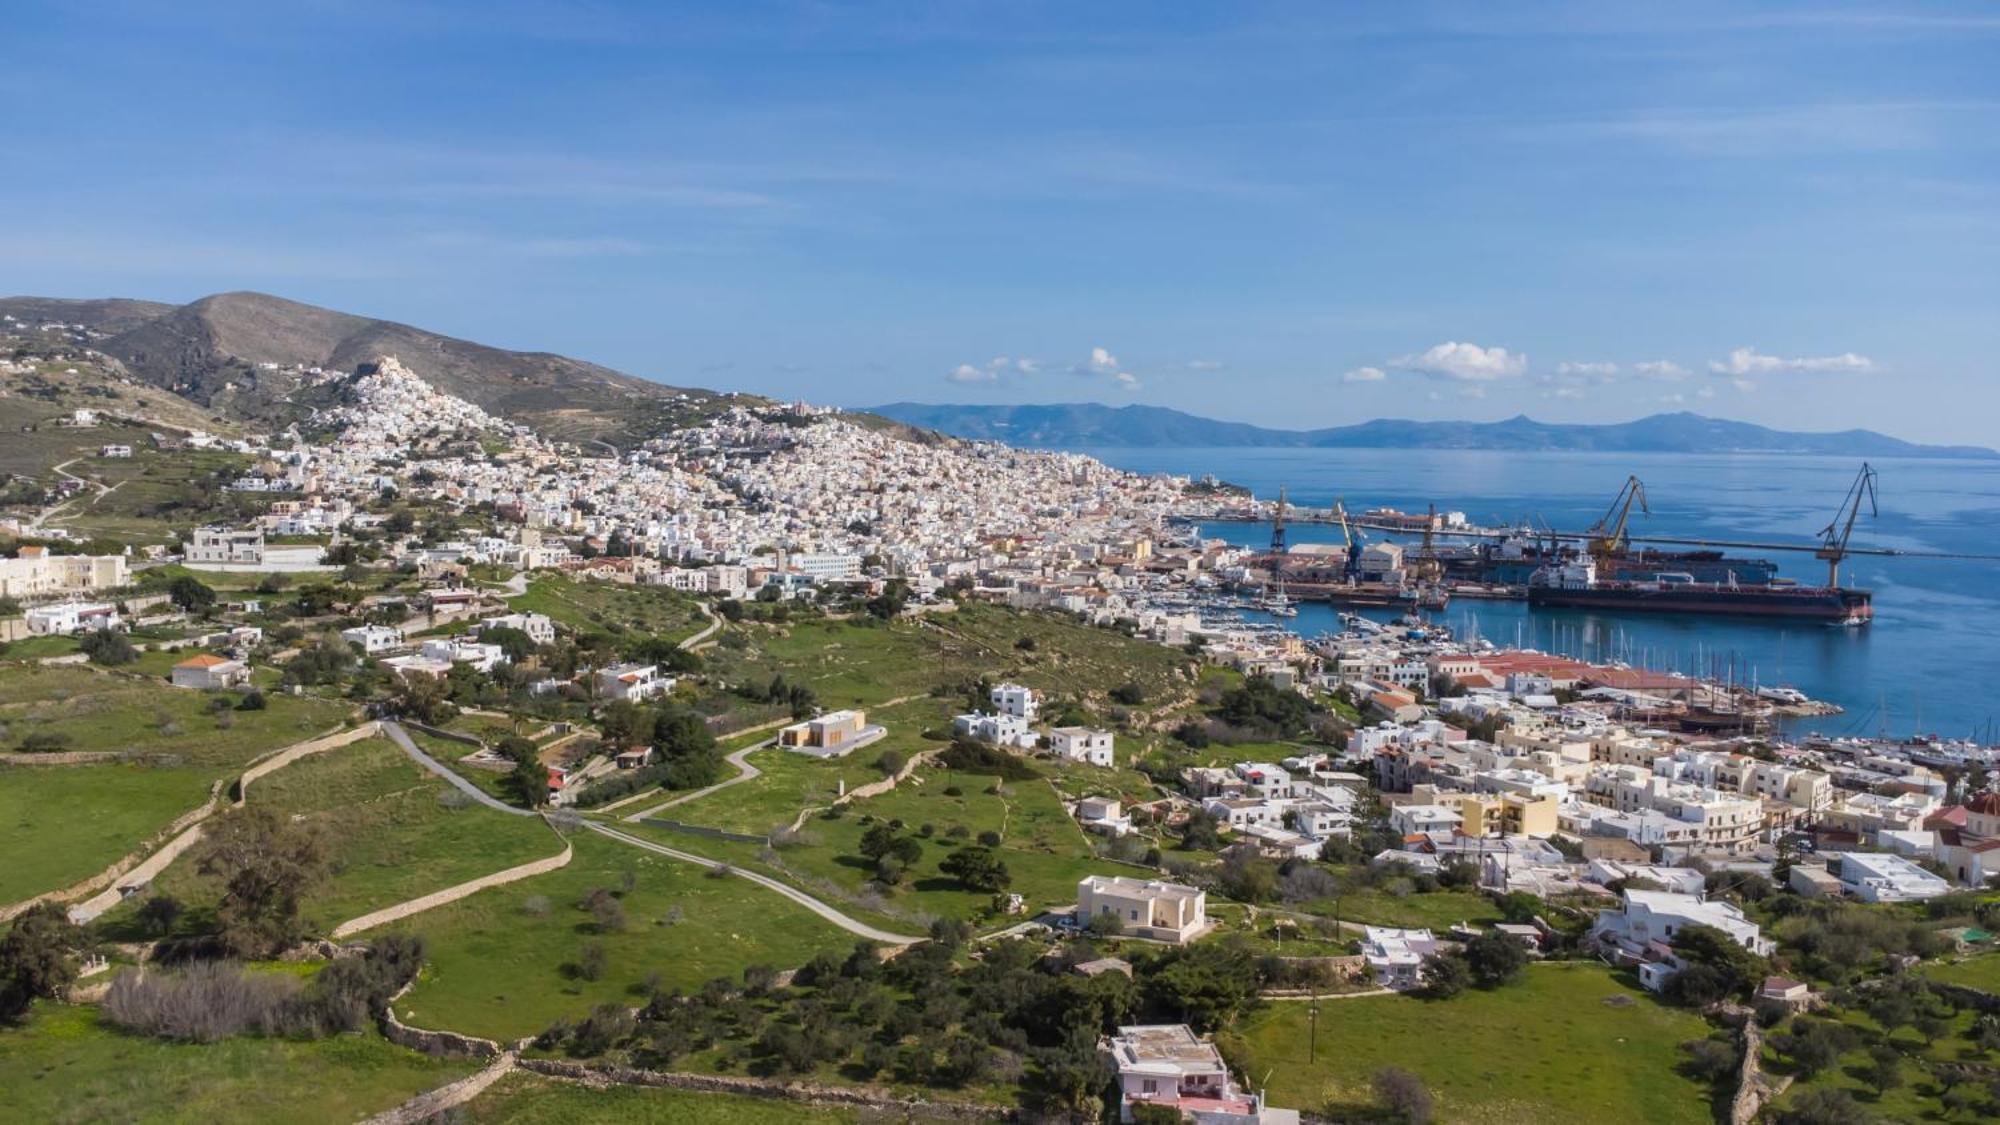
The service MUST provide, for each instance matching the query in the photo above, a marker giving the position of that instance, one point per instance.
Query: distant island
(1089, 424)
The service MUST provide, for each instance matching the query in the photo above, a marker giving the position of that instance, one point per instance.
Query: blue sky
(1290, 214)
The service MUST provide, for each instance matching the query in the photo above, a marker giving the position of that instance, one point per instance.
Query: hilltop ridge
(1087, 425)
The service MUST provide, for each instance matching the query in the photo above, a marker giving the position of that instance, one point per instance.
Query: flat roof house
(1148, 908)
(830, 735)
(1883, 877)
(633, 683)
(1082, 744)
(1167, 1065)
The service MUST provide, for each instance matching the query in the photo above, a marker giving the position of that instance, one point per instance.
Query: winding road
(402, 739)
(744, 772)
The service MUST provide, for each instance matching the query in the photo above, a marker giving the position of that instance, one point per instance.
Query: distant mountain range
(214, 352)
(1087, 425)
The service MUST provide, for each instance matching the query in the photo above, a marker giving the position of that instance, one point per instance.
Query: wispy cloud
(1364, 375)
(1749, 361)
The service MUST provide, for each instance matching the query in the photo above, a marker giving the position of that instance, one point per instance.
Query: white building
(1015, 700)
(1147, 908)
(1882, 877)
(1103, 814)
(482, 658)
(1642, 931)
(1001, 730)
(374, 639)
(210, 673)
(537, 626)
(1396, 957)
(1082, 744)
(1167, 1065)
(71, 618)
(223, 546)
(633, 683)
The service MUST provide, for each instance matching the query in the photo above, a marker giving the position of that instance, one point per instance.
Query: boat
(1786, 695)
(1575, 585)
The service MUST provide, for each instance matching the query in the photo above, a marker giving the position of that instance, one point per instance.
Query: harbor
(1915, 669)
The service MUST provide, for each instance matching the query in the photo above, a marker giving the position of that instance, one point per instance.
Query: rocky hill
(242, 355)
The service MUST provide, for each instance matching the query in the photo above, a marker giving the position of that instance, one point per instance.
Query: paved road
(803, 899)
(397, 735)
(744, 772)
(714, 623)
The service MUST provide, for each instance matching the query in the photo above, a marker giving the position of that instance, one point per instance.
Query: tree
(1823, 1106)
(1885, 1068)
(1106, 924)
(191, 595)
(1445, 975)
(159, 913)
(877, 839)
(108, 647)
(37, 958)
(1404, 1095)
(1205, 986)
(1495, 958)
(1812, 1045)
(516, 643)
(1709, 1060)
(266, 865)
(978, 868)
(530, 783)
(1736, 970)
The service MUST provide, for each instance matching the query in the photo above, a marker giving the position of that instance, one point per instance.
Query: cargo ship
(1575, 585)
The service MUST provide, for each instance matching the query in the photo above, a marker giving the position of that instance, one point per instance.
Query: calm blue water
(1929, 663)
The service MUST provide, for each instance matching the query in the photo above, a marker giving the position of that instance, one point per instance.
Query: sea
(1928, 664)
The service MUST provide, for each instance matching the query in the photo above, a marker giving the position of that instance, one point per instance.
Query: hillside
(213, 351)
(1086, 425)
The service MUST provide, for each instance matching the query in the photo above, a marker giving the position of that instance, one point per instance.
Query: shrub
(990, 838)
(1403, 1094)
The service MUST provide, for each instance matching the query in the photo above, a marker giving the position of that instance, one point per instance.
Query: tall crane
(1609, 534)
(1833, 537)
(1347, 538)
(1278, 525)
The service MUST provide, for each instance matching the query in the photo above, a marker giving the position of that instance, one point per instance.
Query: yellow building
(1507, 814)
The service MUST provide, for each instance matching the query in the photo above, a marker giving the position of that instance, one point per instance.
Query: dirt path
(818, 907)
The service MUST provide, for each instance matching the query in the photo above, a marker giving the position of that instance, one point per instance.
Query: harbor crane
(1610, 534)
(1833, 537)
(1278, 525)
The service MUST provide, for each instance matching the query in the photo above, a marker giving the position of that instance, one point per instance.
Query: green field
(495, 969)
(393, 830)
(855, 664)
(64, 1066)
(522, 1098)
(90, 709)
(1045, 852)
(790, 781)
(1569, 1043)
(1981, 972)
(590, 606)
(60, 825)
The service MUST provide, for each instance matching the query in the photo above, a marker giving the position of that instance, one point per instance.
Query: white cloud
(1126, 381)
(1206, 365)
(1674, 399)
(1102, 362)
(1661, 369)
(1749, 361)
(1466, 363)
(993, 370)
(1364, 375)
(1744, 385)
(1587, 370)
(1705, 392)
(1566, 392)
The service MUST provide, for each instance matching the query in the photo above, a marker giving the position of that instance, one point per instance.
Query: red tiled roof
(1986, 804)
(205, 660)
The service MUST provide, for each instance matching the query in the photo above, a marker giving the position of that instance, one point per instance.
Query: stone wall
(436, 899)
(293, 753)
(915, 1108)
